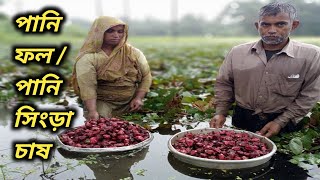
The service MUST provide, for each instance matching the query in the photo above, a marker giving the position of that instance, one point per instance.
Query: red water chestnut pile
(221, 145)
(104, 133)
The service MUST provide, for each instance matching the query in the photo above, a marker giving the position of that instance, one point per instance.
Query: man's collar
(257, 47)
(288, 49)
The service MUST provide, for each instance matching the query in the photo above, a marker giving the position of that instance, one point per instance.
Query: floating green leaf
(296, 146)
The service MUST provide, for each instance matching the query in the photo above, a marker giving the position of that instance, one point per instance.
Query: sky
(139, 9)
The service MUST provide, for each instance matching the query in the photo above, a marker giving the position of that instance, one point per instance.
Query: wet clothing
(112, 94)
(288, 84)
(247, 120)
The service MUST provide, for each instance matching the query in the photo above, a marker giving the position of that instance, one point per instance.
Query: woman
(111, 76)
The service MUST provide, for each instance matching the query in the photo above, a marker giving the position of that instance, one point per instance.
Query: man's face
(275, 30)
(113, 35)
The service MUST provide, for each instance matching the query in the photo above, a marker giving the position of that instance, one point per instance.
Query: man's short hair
(274, 8)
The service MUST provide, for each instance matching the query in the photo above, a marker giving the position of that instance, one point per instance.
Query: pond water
(154, 162)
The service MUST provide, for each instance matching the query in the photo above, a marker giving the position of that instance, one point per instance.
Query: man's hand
(93, 115)
(136, 104)
(270, 129)
(217, 121)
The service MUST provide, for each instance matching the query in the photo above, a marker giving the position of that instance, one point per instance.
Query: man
(274, 81)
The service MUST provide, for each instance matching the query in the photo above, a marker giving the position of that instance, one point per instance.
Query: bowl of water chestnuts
(221, 148)
(104, 135)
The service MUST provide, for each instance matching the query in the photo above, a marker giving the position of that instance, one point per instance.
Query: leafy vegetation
(304, 145)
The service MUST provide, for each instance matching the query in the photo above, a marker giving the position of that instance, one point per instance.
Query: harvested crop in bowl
(222, 145)
(104, 133)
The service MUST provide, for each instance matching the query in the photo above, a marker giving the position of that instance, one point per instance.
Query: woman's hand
(91, 105)
(136, 104)
(93, 115)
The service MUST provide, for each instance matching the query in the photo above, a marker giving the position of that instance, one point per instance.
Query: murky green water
(153, 162)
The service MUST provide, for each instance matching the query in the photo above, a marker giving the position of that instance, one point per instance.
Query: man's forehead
(282, 16)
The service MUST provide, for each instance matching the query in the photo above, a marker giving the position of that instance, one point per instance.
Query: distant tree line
(236, 19)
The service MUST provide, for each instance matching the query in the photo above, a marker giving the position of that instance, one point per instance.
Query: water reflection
(5, 115)
(166, 129)
(277, 168)
(111, 166)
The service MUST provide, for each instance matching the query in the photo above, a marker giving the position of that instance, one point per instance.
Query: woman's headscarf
(113, 67)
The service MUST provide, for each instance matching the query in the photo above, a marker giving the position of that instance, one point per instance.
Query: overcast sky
(139, 9)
